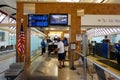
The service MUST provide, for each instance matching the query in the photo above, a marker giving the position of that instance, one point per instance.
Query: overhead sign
(105, 20)
(78, 37)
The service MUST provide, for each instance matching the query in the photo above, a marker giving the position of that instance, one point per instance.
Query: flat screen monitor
(38, 20)
(58, 19)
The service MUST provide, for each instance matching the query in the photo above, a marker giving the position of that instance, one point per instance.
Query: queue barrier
(95, 71)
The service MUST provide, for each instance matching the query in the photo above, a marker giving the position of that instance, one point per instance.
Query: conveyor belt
(111, 64)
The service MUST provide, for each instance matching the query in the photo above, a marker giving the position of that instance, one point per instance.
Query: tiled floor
(63, 74)
(2, 76)
(67, 74)
(5, 60)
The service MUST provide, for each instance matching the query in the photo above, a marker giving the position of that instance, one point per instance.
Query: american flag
(21, 41)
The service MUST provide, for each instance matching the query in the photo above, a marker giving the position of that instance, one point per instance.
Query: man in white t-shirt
(60, 50)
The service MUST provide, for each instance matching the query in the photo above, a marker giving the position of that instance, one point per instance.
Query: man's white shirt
(61, 47)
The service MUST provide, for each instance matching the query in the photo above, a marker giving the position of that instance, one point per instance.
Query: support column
(26, 33)
(75, 29)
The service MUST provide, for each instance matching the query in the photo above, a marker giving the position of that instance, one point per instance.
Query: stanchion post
(72, 48)
(85, 68)
(84, 50)
(73, 68)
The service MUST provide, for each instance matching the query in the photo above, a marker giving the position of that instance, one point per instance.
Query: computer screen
(58, 19)
(38, 20)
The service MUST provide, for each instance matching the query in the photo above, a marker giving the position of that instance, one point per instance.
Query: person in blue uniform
(43, 46)
(65, 41)
(118, 52)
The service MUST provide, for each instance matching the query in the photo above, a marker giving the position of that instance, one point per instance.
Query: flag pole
(22, 20)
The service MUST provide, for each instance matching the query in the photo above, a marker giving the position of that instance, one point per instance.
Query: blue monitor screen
(58, 19)
(38, 20)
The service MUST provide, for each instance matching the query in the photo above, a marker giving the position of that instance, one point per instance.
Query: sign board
(72, 46)
(78, 37)
(103, 20)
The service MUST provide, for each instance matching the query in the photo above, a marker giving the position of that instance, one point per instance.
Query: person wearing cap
(60, 51)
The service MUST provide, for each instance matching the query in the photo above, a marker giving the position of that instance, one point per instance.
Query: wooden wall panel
(70, 8)
(26, 33)
(18, 24)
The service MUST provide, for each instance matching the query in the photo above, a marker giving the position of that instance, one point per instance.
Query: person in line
(60, 50)
(43, 46)
(49, 40)
(112, 51)
(93, 46)
(118, 52)
(106, 39)
(65, 41)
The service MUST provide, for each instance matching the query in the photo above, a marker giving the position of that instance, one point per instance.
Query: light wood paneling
(69, 8)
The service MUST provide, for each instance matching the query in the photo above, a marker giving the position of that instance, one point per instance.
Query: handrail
(118, 77)
(79, 53)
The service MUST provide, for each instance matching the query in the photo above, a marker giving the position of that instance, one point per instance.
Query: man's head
(105, 36)
(58, 39)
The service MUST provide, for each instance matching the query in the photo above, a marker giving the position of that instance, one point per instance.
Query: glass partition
(7, 39)
(36, 38)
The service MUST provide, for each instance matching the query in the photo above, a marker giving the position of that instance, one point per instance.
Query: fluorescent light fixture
(2, 17)
(111, 30)
(100, 31)
(105, 1)
(98, 1)
(11, 28)
(97, 33)
(115, 30)
(68, 0)
(118, 29)
(105, 31)
(108, 30)
(14, 28)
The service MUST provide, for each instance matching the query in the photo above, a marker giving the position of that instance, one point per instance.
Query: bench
(14, 70)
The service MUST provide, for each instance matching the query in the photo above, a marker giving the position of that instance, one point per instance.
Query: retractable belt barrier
(100, 70)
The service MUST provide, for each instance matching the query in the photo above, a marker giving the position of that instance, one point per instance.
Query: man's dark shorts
(60, 56)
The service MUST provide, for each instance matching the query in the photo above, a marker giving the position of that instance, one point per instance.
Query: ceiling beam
(7, 24)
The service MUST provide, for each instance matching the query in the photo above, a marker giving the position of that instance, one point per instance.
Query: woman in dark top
(43, 46)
